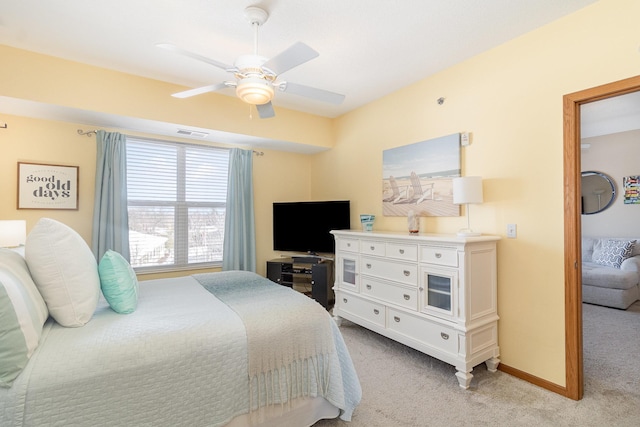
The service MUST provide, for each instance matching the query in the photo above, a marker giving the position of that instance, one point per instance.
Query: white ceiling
(368, 48)
(612, 115)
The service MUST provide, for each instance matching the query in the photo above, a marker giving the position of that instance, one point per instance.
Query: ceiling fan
(257, 77)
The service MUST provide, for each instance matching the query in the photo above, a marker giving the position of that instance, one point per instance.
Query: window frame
(181, 208)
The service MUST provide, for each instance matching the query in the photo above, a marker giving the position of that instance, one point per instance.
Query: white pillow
(22, 314)
(64, 270)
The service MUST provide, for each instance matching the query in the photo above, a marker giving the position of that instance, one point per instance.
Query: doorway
(574, 379)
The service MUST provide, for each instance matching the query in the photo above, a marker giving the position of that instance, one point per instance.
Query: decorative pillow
(612, 252)
(22, 314)
(118, 282)
(64, 270)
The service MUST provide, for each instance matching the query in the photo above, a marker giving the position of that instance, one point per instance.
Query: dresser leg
(464, 379)
(338, 320)
(492, 364)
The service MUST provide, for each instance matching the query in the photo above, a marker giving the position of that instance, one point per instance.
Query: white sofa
(602, 282)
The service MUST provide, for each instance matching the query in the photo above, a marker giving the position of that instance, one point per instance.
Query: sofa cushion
(611, 252)
(608, 277)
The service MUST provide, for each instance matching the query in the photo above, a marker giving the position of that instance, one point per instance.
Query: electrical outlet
(512, 231)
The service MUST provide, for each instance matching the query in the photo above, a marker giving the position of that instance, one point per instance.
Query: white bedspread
(179, 359)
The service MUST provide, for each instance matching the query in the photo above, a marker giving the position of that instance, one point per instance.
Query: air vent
(192, 133)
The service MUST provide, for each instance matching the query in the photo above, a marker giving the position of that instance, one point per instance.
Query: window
(176, 200)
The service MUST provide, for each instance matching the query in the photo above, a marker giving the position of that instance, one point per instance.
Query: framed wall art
(631, 185)
(419, 177)
(42, 186)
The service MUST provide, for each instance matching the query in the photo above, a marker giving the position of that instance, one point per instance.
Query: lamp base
(468, 233)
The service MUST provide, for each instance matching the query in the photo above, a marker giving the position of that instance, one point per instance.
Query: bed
(228, 348)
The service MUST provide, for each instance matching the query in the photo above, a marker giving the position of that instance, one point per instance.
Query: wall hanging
(419, 176)
(631, 185)
(42, 186)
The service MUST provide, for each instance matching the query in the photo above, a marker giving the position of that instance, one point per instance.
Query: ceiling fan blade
(297, 54)
(199, 90)
(266, 110)
(176, 49)
(313, 93)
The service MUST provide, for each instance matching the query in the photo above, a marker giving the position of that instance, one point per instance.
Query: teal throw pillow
(118, 282)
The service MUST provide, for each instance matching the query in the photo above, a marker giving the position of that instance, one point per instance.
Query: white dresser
(433, 292)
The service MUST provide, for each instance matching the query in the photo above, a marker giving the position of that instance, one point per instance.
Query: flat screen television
(305, 226)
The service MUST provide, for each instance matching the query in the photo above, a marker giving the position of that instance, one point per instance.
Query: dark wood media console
(311, 276)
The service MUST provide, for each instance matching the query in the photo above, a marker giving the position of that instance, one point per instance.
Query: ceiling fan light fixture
(255, 90)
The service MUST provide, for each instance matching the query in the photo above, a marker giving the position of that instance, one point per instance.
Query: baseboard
(540, 382)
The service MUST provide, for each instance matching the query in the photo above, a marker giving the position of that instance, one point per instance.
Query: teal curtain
(110, 218)
(239, 251)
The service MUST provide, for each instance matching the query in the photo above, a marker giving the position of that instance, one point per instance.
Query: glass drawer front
(439, 292)
(349, 272)
(439, 284)
(439, 300)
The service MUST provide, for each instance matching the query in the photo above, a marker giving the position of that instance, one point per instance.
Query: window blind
(176, 202)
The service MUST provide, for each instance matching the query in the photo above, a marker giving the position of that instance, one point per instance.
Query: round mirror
(598, 192)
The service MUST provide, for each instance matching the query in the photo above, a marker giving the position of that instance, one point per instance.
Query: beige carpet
(403, 387)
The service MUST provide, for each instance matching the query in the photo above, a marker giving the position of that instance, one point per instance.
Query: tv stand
(312, 276)
(310, 259)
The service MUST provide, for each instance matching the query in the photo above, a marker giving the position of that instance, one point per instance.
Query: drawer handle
(348, 245)
(444, 336)
(376, 311)
(396, 318)
(344, 300)
(373, 248)
(407, 297)
(369, 287)
(401, 251)
(368, 265)
(438, 255)
(407, 273)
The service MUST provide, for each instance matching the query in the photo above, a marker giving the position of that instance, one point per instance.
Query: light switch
(512, 231)
(464, 139)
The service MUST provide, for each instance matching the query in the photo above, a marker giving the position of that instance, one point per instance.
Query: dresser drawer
(433, 334)
(351, 245)
(368, 310)
(370, 247)
(392, 270)
(402, 251)
(439, 256)
(394, 294)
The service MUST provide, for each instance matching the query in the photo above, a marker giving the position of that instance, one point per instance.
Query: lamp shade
(254, 90)
(467, 189)
(13, 233)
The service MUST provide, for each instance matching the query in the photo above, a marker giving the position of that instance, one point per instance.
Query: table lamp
(467, 190)
(13, 233)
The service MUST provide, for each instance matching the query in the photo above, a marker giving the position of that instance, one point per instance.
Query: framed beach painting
(42, 186)
(419, 177)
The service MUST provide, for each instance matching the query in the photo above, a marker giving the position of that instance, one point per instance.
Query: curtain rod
(89, 132)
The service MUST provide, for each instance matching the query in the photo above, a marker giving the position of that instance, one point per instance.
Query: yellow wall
(41, 78)
(277, 176)
(510, 98)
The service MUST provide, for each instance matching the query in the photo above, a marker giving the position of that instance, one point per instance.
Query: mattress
(179, 359)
